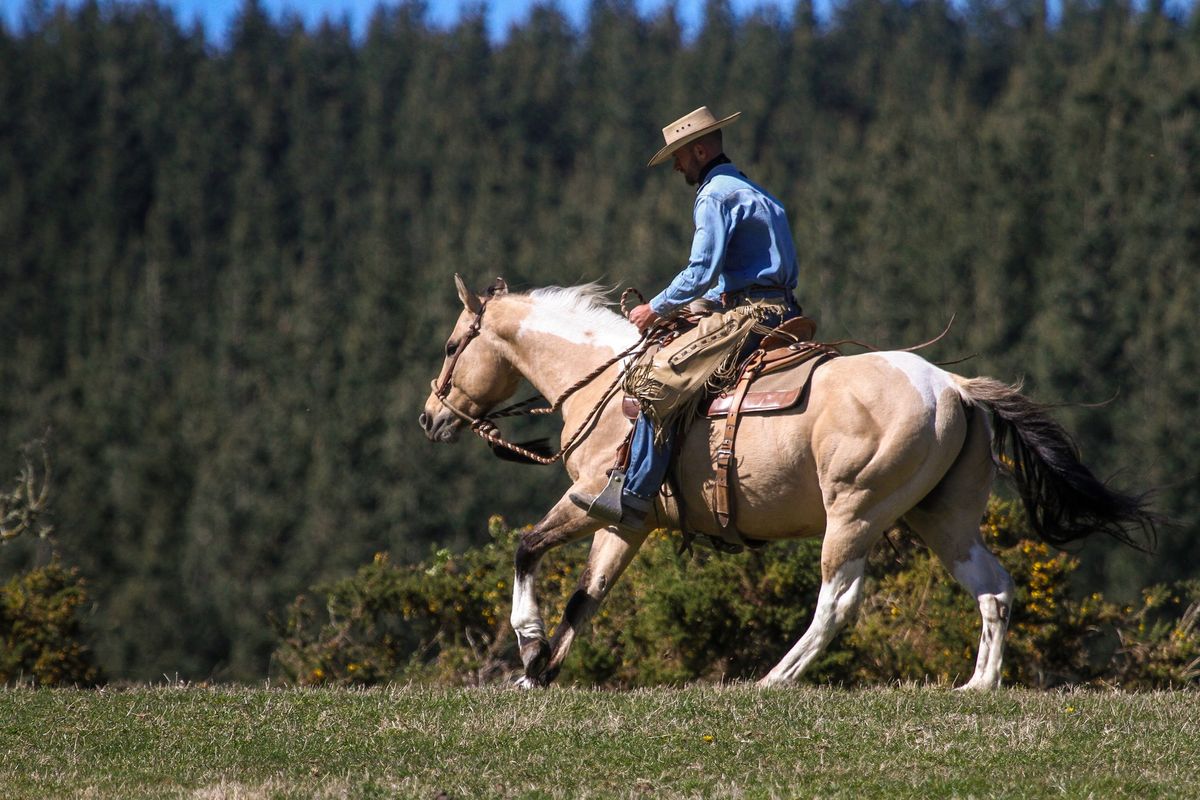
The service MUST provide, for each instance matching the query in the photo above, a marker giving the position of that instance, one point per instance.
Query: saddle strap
(722, 496)
(760, 363)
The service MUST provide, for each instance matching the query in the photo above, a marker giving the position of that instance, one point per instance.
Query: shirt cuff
(661, 307)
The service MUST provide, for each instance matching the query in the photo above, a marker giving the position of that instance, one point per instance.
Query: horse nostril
(424, 420)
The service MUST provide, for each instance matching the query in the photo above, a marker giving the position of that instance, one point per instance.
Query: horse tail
(1064, 500)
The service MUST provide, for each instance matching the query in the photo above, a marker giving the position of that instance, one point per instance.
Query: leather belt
(735, 298)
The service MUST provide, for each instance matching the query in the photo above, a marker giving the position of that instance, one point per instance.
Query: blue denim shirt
(742, 239)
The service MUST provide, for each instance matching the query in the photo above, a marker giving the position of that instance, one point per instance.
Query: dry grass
(732, 742)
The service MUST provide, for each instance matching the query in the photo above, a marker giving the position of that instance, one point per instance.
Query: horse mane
(586, 304)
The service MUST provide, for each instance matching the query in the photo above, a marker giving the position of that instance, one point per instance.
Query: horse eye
(451, 347)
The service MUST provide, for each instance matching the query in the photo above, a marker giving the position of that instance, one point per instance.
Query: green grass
(696, 742)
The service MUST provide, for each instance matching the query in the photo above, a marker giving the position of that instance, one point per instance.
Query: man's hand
(643, 317)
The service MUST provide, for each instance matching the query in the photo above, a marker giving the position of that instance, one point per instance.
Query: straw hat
(688, 129)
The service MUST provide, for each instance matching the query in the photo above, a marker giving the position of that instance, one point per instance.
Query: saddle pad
(774, 391)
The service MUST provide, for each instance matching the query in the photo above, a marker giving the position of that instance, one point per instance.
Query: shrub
(445, 620)
(40, 629)
(917, 623)
(674, 619)
(40, 620)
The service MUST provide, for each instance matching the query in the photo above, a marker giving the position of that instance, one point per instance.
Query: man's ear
(469, 299)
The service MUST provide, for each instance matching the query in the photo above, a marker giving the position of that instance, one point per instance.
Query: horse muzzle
(440, 427)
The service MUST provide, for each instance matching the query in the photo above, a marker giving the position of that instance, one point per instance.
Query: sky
(501, 14)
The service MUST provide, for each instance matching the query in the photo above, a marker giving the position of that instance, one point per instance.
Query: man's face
(688, 165)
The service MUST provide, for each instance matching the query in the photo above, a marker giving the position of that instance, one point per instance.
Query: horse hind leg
(948, 522)
(992, 587)
(956, 541)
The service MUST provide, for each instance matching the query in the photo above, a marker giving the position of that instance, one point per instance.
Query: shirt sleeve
(704, 265)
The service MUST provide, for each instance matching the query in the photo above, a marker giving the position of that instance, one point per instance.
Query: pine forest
(226, 267)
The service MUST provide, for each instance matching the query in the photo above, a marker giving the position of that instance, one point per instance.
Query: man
(743, 261)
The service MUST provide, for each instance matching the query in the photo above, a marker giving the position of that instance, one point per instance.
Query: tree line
(225, 271)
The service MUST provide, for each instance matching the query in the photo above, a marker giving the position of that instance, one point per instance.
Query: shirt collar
(707, 169)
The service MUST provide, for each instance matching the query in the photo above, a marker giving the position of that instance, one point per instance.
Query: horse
(884, 438)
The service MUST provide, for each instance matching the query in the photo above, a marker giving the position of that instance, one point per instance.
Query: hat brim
(665, 153)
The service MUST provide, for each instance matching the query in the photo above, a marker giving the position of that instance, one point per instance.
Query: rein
(484, 426)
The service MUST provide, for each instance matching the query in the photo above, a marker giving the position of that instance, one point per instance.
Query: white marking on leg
(990, 584)
(526, 617)
(836, 602)
(977, 571)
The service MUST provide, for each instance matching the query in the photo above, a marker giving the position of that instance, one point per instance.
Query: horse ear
(469, 299)
(498, 288)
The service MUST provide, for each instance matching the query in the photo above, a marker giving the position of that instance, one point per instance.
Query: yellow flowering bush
(444, 620)
(41, 609)
(679, 617)
(41, 641)
(675, 618)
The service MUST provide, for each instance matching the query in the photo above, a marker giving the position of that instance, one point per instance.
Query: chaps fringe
(671, 398)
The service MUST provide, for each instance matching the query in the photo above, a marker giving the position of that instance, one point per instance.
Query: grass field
(701, 742)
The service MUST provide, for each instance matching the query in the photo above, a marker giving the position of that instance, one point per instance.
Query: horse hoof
(535, 655)
(526, 682)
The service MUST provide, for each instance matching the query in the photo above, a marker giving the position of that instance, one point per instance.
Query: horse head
(475, 376)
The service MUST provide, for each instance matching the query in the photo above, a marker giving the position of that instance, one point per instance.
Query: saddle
(775, 377)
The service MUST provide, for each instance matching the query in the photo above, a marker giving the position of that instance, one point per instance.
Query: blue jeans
(648, 462)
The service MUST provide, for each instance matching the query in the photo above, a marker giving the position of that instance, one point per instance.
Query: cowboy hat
(688, 129)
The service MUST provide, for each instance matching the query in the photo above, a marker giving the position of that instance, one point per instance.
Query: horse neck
(553, 361)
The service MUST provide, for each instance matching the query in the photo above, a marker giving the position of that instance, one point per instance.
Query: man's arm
(704, 265)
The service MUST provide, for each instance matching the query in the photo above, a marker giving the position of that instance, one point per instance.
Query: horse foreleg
(565, 523)
(612, 550)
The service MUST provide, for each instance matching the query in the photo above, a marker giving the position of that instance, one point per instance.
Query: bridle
(442, 390)
(486, 428)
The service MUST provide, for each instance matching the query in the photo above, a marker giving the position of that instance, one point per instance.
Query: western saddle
(774, 377)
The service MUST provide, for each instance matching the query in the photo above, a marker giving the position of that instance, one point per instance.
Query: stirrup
(607, 504)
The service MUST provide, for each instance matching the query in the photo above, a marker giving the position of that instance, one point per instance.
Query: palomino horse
(884, 437)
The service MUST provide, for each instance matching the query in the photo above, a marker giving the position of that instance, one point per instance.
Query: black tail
(1064, 500)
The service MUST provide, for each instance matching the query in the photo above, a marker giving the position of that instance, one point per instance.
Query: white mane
(581, 314)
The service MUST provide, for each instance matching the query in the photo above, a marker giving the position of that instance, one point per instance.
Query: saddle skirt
(774, 378)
